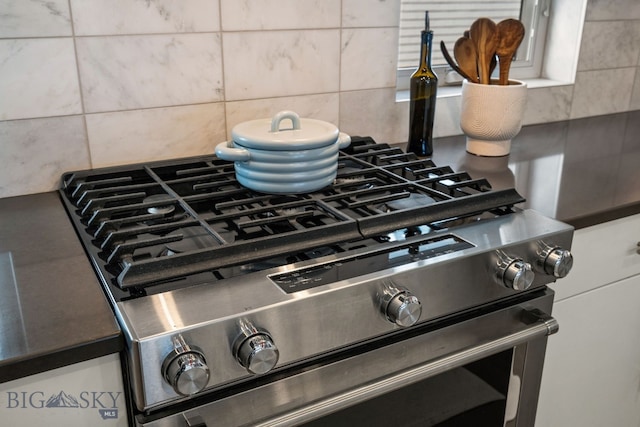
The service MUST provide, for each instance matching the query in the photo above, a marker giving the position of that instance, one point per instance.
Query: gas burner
(161, 207)
(191, 239)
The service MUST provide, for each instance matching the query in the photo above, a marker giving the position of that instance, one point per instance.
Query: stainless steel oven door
(484, 368)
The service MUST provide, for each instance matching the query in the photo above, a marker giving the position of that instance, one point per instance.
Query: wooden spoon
(484, 34)
(467, 56)
(451, 62)
(510, 34)
(494, 58)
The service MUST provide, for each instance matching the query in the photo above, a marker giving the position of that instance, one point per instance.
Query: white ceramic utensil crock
(491, 115)
(271, 157)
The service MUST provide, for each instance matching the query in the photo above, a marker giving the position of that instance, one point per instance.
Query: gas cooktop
(168, 224)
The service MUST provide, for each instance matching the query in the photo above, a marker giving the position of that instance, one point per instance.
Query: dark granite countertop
(54, 312)
(582, 172)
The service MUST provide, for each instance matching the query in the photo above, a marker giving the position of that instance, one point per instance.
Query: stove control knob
(518, 275)
(185, 368)
(555, 260)
(254, 349)
(258, 354)
(400, 306)
(513, 272)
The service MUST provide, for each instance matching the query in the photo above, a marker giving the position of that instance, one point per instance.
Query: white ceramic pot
(491, 115)
(272, 157)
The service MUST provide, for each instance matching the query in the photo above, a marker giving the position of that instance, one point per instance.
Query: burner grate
(150, 224)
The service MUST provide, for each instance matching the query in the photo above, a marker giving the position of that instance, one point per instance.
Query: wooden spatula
(467, 56)
(510, 35)
(484, 34)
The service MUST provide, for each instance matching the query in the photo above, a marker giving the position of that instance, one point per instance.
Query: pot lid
(285, 131)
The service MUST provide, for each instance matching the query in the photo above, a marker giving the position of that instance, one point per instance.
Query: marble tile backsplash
(38, 78)
(34, 18)
(145, 71)
(307, 61)
(93, 83)
(111, 17)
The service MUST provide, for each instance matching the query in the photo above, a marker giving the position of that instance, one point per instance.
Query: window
(450, 18)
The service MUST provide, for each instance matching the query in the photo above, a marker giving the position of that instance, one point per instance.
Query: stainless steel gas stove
(241, 308)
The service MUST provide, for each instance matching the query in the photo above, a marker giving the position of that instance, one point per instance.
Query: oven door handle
(539, 324)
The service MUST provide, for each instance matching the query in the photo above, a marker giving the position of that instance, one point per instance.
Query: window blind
(449, 19)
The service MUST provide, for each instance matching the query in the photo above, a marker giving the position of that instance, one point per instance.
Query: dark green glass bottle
(423, 87)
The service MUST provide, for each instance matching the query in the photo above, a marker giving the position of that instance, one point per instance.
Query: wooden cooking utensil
(484, 34)
(451, 62)
(467, 57)
(510, 35)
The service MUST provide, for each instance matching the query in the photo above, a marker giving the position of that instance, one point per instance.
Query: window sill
(453, 91)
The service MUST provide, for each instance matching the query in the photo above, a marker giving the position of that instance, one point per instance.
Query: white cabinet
(603, 254)
(592, 368)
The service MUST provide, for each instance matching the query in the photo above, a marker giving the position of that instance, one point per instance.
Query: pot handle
(282, 115)
(344, 140)
(226, 152)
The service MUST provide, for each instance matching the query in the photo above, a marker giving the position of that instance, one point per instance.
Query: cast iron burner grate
(159, 223)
